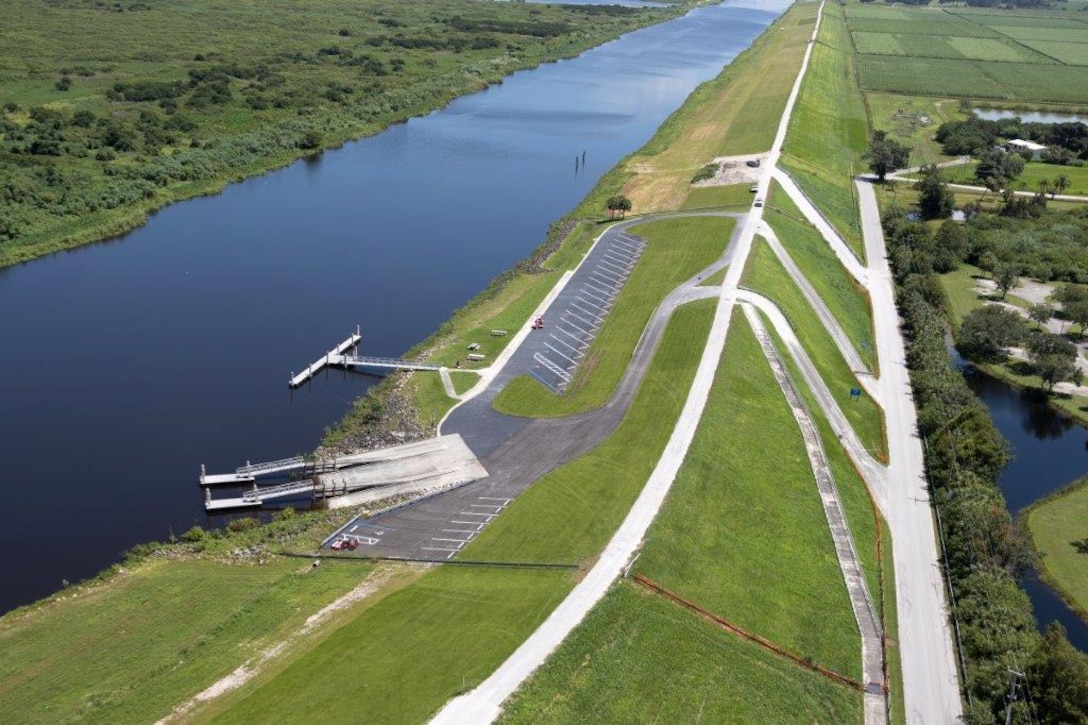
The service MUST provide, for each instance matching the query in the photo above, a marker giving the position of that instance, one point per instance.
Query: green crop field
(956, 53)
(946, 46)
(1062, 51)
(640, 658)
(920, 22)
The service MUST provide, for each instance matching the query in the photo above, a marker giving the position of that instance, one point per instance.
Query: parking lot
(575, 318)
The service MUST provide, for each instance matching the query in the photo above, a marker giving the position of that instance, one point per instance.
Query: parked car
(754, 163)
(759, 202)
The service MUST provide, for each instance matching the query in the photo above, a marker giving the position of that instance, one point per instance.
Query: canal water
(129, 363)
(1051, 451)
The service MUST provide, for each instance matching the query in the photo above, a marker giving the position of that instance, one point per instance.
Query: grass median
(829, 130)
(742, 533)
(847, 300)
(676, 250)
(767, 276)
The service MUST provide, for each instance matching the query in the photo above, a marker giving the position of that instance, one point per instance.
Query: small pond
(995, 114)
(1051, 451)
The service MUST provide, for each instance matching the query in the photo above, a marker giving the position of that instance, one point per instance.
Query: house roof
(1029, 145)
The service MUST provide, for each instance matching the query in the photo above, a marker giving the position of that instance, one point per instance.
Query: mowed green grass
(403, 658)
(640, 658)
(767, 276)
(743, 533)
(1034, 172)
(132, 650)
(730, 195)
(829, 130)
(676, 250)
(569, 514)
(1054, 526)
(846, 299)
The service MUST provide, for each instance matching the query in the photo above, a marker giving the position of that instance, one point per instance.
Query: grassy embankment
(109, 115)
(131, 649)
(868, 528)
(712, 544)
(1056, 525)
(467, 620)
(676, 250)
(736, 113)
(829, 130)
(766, 275)
(847, 300)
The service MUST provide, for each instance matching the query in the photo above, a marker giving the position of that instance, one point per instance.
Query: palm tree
(1061, 184)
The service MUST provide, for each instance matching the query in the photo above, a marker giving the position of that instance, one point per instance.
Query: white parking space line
(549, 346)
(582, 330)
(438, 548)
(613, 267)
(572, 348)
(476, 513)
(477, 524)
(579, 342)
(470, 532)
(495, 498)
(602, 288)
(460, 542)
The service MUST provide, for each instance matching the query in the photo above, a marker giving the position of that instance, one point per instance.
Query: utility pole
(1014, 688)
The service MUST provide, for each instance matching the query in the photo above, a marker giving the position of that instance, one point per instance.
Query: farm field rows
(956, 53)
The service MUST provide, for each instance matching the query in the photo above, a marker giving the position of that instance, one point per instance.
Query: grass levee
(767, 276)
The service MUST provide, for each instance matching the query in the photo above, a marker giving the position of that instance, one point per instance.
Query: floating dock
(339, 357)
(338, 351)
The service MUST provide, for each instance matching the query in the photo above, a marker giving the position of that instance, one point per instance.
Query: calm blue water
(1051, 451)
(993, 114)
(129, 363)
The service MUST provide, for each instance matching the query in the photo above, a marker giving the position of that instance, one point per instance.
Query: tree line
(986, 552)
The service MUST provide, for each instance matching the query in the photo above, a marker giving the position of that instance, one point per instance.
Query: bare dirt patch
(735, 170)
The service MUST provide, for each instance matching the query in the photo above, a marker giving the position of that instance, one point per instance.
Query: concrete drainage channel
(584, 306)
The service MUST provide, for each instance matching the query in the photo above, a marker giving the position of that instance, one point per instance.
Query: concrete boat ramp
(412, 469)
